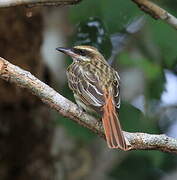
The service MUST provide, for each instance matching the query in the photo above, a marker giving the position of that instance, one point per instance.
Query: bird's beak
(67, 51)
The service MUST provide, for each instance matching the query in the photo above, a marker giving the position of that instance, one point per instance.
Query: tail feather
(107, 128)
(112, 127)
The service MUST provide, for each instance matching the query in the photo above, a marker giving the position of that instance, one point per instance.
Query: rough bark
(10, 3)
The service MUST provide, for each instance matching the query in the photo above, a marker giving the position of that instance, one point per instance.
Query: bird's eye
(80, 52)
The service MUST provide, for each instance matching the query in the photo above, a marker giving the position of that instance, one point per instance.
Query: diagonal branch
(49, 96)
(156, 12)
(10, 3)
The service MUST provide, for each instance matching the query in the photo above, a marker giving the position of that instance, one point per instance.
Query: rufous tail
(111, 124)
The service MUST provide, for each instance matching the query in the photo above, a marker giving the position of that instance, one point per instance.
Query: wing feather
(117, 90)
(87, 85)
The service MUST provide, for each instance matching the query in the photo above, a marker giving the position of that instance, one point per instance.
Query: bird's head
(82, 53)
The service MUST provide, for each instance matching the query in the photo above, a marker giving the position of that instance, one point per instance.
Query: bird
(96, 87)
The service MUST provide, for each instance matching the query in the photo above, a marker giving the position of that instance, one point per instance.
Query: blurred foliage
(133, 120)
(115, 13)
(165, 37)
(151, 69)
(144, 165)
(93, 32)
(151, 51)
(138, 165)
(75, 130)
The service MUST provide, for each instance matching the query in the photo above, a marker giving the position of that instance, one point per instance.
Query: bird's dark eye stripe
(81, 52)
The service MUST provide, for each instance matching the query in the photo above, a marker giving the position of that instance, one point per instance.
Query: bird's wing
(86, 85)
(116, 86)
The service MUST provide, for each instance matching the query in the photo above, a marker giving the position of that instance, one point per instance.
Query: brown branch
(10, 3)
(49, 96)
(156, 12)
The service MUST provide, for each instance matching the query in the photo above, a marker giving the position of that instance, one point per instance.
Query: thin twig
(156, 12)
(49, 96)
(10, 3)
